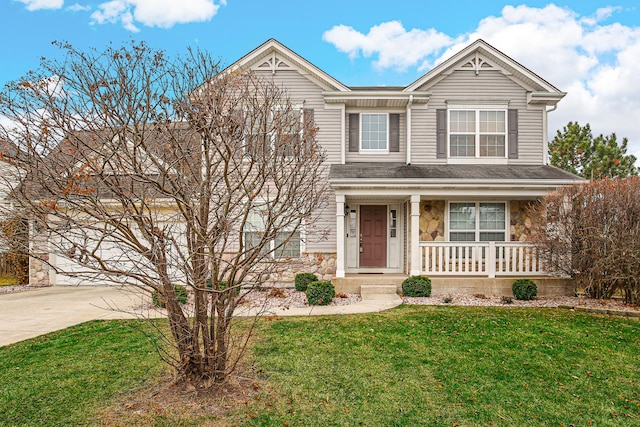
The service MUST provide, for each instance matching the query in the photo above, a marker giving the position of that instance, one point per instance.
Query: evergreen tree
(574, 149)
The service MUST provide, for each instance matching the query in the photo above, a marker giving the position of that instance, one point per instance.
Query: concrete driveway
(34, 312)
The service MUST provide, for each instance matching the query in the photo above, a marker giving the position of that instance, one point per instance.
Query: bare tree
(591, 232)
(152, 172)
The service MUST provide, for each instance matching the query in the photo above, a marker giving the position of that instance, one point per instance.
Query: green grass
(7, 280)
(440, 366)
(449, 366)
(60, 379)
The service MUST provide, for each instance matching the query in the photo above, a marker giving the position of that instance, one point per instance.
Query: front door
(373, 236)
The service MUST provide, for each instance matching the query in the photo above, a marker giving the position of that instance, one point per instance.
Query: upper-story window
(477, 133)
(278, 133)
(374, 133)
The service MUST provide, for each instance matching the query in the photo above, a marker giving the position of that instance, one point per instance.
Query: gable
(274, 57)
(479, 58)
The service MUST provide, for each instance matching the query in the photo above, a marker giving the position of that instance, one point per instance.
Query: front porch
(489, 259)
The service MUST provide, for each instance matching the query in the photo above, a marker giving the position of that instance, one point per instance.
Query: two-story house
(433, 178)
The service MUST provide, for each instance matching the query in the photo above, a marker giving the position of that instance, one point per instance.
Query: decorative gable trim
(272, 63)
(479, 63)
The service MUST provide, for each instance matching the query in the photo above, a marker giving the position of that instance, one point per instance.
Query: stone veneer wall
(520, 224)
(432, 220)
(322, 265)
(39, 271)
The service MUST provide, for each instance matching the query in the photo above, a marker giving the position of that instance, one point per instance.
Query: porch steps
(368, 292)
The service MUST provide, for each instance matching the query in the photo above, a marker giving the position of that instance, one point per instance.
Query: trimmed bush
(320, 293)
(222, 287)
(159, 300)
(524, 289)
(303, 280)
(416, 286)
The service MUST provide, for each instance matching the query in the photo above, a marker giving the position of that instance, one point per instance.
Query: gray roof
(403, 171)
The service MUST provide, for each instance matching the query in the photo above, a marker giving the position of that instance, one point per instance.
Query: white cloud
(78, 8)
(155, 13)
(395, 47)
(42, 4)
(595, 61)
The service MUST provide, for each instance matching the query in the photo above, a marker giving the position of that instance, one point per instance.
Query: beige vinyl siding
(399, 156)
(463, 85)
(321, 236)
(530, 136)
(423, 136)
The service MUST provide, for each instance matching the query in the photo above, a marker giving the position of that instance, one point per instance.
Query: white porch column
(414, 236)
(340, 252)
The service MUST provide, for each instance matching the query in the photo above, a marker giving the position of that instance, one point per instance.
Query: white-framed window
(374, 132)
(278, 247)
(273, 136)
(477, 221)
(475, 132)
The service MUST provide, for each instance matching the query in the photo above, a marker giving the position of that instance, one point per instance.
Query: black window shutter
(307, 117)
(394, 132)
(354, 132)
(513, 133)
(441, 133)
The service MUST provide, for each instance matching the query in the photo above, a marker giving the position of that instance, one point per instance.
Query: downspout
(545, 145)
(409, 129)
(343, 134)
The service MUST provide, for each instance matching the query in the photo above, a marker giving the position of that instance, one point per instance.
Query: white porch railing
(488, 259)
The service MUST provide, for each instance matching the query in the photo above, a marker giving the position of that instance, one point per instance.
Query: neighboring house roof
(389, 174)
(9, 151)
(72, 154)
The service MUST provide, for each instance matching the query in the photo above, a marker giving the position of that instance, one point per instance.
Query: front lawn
(61, 379)
(448, 366)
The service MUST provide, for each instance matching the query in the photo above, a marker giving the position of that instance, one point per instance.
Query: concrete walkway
(34, 312)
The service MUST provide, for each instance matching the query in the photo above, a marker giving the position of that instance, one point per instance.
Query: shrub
(524, 289)
(303, 280)
(417, 286)
(506, 299)
(159, 300)
(223, 286)
(320, 293)
(447, 300)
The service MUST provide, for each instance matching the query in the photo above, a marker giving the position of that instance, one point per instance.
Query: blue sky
(588, 48)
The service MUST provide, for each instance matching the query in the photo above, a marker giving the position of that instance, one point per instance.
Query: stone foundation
(500, 286)
(39, 271)
(322, 265)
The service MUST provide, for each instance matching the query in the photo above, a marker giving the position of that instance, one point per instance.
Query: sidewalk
(38, 311)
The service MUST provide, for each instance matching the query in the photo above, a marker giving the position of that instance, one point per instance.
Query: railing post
(414, 239)
(491, 260)
(340, 244)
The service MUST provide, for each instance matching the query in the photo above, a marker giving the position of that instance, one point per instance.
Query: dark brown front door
(373, 236)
